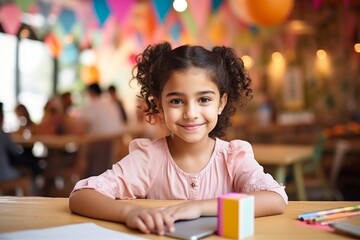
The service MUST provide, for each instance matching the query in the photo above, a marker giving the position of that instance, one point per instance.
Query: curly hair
(156, 64)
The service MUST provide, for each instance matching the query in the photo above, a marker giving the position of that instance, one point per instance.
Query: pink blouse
(150, 172)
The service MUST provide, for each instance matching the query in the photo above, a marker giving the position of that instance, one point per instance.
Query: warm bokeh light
(180, 5)
(277, 57)
(357, 47)
(248, 62)
(276, 72)
(322, 64)
(69, 39)
(321, 54)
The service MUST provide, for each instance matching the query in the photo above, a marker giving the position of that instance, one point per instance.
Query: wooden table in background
(73, 157)
(282, 156)
(23, 213)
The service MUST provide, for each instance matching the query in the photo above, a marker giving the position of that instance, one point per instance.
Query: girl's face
(191, 103)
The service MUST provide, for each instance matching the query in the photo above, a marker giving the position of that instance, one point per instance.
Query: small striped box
(236, 215)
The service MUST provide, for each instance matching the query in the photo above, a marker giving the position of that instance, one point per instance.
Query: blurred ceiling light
(39, 150)
(321, 54)
(357, 47)
(248, 62)
(299, 27)
(180, 5)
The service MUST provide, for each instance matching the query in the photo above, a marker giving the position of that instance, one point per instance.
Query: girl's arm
(268, 203)
(90, 203)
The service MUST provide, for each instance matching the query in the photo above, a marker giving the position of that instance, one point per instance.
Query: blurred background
(303, 57)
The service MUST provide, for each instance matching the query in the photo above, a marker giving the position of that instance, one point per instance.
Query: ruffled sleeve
(127, 179)
(248, 174)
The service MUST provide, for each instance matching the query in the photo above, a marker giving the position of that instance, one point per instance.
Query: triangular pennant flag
(162, 8)
(102, 11)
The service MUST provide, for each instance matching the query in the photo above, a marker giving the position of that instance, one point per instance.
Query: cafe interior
(303, 57)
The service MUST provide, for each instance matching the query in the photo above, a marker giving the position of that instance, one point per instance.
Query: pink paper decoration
(10, 16)
(200, 10)
(120, 8)
(88, 22)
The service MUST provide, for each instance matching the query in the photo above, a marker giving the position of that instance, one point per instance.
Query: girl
(194, 91)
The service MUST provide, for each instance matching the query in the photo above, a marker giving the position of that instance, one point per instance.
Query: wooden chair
(20, 186)
(324, 186)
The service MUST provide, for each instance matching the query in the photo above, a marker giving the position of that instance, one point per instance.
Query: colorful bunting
(44, 7)
(200, 10)
(67, 19)
(162, 8)
(215, 5)
(175, 31)
(102, 11)
(10, 17)
(24, 5)
(121, 8)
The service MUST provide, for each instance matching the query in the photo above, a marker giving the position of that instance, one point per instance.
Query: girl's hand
(158, 220)
(187, 210)
(150, 220)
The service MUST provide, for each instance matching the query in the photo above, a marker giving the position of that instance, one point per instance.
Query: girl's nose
(190, 112)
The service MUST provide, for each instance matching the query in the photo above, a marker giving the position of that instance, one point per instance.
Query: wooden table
(281, 156)
(23, 213)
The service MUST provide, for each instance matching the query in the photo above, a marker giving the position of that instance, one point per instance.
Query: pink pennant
(10, 16)
(88, 22)
(108, 32)
(200, 10)
(120, 8)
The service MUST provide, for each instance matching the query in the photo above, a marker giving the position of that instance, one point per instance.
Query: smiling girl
(194, 91)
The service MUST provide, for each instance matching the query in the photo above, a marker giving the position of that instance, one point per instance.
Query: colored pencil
(310, 215)
(327, 222)
(334, 216)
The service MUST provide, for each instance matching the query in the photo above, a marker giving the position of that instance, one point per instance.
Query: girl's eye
(204, 100)
(176, 101)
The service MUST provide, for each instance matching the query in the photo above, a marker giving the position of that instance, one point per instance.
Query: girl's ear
(223, 101)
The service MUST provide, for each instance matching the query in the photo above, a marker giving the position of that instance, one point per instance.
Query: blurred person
(26, 125)
(112, 91)
(7, 147)
(52, 121)
(101, 113)
(73, 122)
(67, 102)
(14, 157)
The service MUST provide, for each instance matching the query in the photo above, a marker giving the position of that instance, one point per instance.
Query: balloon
(262, 12)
